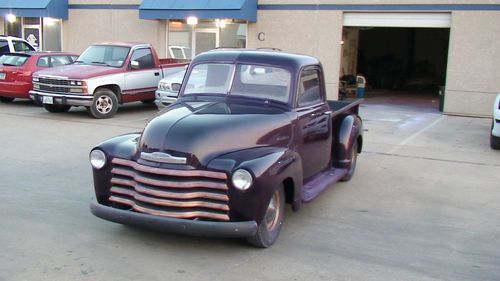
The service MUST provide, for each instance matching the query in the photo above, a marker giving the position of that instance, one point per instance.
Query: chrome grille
(46, 88)
(186, 194)
(53, 81)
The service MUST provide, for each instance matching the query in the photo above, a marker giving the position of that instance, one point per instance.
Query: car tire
(148, 101)
(104, 105)
(56, 108)
(6, 99)
(352, 165)
(494, 140)
(270, 227)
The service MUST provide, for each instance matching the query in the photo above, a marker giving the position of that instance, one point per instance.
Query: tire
(6, 99)
(56, 108)
(104, 105)
(270, 227)
(352, 166)
(494, 140)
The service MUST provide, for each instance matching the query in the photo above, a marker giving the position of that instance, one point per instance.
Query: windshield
(113, 56)
(264, 82)
(13, 60)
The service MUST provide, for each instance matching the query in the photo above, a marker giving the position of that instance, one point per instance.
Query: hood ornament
(163, 158)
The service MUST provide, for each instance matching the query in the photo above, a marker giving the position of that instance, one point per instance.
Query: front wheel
(270, 227)
(104, 105)
(6, 99)
(352, 166)
(56, 108)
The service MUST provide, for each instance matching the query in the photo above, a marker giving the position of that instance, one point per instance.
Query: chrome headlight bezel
(98, 159)
(242, 179)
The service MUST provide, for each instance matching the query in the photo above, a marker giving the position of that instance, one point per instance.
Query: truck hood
(80, 71)
(201, 131)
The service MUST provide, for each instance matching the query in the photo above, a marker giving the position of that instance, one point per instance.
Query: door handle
(157, 73)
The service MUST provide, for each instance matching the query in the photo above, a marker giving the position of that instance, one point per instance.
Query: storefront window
(52, 35)
(186, 41)
(42, 33)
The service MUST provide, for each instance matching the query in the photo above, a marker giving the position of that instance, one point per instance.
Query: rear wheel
(148, 101)
(6, 99)
(104, 105)
(270, 227)
(352, 166)
(56, 108)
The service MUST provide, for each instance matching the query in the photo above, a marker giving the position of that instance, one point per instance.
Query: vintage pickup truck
(226, 157)
(104, 76)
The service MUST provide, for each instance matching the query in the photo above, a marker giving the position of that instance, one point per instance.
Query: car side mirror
(134, 64)
(176, 87)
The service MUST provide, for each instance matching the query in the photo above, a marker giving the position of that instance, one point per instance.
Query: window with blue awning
(35, 8)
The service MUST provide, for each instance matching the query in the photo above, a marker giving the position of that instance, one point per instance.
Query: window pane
(21, 46)
(263, 82)
(210, 78)
(60, 60)
(309, 89)
(15, 60)
(52, 35)
(144, 57)
(233, 35)
(104, 55)
(4, 47)
(43, 62)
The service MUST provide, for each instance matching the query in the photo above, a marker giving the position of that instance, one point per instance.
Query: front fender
(124, 147)
(270, 168)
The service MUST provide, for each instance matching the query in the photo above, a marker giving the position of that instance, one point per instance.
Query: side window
(4, 47)
(43, 62)
(73, 58)
(144, 57)
(21, 46)
(60, 60)
(309, 92)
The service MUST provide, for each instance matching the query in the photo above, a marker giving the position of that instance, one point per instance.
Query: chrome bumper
(64, 99)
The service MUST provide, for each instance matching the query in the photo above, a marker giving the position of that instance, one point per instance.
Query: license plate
(2, 76)
(48, 100)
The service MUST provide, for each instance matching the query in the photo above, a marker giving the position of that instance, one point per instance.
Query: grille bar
(179, 215)
(169, 203)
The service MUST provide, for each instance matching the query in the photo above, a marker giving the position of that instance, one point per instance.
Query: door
(314, 123)
(142, 77)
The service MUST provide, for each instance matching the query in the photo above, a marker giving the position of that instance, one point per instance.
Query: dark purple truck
(251, 131)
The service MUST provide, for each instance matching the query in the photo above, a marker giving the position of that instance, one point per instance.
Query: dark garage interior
(401, 62)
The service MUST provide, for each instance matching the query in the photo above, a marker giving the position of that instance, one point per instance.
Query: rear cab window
(13, 59)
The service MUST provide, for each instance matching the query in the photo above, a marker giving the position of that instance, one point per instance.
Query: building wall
(303, 32)
(2, 28)
(473, 77)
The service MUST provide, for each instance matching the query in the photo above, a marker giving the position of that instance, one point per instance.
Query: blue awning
(35, 8)
(202, 9)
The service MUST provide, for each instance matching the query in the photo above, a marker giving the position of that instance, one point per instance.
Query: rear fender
(350, 131)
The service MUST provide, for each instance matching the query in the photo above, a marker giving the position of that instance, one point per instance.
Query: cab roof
(257, 56)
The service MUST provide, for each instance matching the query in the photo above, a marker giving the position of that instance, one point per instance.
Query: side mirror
(176, 87)
(134, 64)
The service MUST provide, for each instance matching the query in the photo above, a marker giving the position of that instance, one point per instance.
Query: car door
(142, 77)
(314, 122)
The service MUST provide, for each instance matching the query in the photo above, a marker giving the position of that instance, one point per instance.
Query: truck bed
(344, 106)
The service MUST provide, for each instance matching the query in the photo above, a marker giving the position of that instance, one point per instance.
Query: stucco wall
(85, 27)
(473, 77)
(303, 32)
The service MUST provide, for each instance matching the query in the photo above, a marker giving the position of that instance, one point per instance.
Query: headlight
(35, 79)
(97, 159)
(242, 179)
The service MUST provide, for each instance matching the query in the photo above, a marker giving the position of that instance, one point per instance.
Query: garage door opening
(404, 65)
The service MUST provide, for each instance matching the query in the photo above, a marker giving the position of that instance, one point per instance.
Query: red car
(16, 71)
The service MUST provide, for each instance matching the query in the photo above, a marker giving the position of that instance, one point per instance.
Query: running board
(320, 182)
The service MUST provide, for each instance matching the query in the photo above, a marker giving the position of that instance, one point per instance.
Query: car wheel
(494, 140)
(104, 105)
(148, 101)
(56, 108)
(6, 99)
(270, 227)
(352, 166)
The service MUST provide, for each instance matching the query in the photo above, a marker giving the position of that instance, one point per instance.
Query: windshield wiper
(8, 64)
(79, 61)
(99, 62)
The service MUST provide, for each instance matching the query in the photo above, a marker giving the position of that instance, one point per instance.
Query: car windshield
(113, 56)
(264, 82)
(13, 60)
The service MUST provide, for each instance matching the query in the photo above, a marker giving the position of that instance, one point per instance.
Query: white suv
(9, 44)
(495, 127)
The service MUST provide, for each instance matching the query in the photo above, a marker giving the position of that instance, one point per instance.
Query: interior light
(11, 18)
(49, 21)
(192, 20)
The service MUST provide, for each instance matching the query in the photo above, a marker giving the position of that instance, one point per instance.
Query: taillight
(25, 74)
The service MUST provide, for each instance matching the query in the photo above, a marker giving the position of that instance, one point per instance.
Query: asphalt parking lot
(423, 205)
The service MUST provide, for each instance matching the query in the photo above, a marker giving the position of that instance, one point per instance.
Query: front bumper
(164, 98)
(64, 99)
(173, 225)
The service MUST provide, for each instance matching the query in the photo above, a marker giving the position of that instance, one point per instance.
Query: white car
(9, 44)
(495, 127)
(168, 87)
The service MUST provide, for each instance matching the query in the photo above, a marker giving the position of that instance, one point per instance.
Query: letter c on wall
(261, 36)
